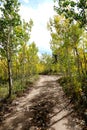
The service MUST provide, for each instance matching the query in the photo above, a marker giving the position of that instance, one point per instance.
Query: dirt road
(44, 107)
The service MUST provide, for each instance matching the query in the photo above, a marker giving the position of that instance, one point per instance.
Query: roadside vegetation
(18, 59)
(20, 64)
(68, 30)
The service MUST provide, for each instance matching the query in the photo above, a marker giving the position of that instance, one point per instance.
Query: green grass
(19, 86)
(3, 90)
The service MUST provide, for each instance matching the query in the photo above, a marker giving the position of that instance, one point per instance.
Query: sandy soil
(45, 107)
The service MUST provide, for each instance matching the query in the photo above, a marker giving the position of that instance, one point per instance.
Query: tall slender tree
(8, 21)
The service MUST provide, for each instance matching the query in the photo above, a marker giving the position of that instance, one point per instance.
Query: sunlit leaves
(73, 10)
(14, 35)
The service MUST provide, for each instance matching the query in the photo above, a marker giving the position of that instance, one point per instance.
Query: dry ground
(44, 107)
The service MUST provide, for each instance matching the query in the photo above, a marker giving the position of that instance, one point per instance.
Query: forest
(20, 64)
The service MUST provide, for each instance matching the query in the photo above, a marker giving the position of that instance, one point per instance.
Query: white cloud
(26, 1)
(40, 16)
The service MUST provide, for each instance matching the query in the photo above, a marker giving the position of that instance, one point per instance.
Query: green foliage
(3, 90)
(73, 10)
(69, 47)
(18, 60)
(46, 63)
(8, 21)
(18, 87)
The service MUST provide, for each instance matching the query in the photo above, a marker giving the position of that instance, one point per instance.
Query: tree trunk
(79, 63)
(68, 70)
(9, 77)
(9, 64)
(85, 60)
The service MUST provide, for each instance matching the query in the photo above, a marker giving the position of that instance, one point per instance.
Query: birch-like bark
(9, 64)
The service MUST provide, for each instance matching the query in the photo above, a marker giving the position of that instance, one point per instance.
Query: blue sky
(34, 3)
(40, 11)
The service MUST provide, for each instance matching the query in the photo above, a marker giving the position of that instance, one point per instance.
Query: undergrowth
(76, 90)
(19, 86)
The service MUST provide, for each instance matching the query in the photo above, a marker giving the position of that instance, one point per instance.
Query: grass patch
(19, 86)
(3, 90)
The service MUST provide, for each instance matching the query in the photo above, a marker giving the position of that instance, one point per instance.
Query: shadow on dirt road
(49, 109)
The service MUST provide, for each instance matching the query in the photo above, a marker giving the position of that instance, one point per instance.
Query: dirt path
(45, 107)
